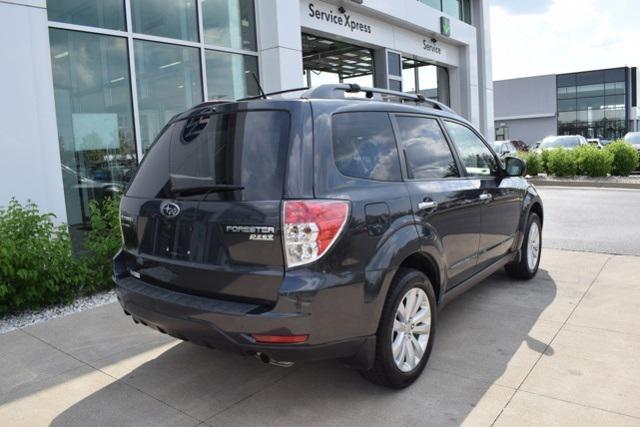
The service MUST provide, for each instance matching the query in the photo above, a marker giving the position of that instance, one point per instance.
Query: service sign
(342, 18)
(339, 21)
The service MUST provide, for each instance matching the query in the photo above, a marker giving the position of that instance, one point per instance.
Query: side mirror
(515, 166)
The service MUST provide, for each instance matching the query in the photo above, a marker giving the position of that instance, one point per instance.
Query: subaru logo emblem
(169, 209)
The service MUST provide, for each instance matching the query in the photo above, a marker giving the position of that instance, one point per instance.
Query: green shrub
(37, 266)
(102, 242)
(561, 162)
(591, 161)
(544, 161)
(625, 158)
(534, 162)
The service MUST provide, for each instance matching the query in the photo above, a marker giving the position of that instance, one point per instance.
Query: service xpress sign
(340, 18)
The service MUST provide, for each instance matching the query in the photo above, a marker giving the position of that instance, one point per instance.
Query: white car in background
(568, 142)
(633, 138)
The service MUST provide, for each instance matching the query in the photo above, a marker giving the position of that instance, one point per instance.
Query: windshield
(632, 138)
(561, 142)
(228, 155)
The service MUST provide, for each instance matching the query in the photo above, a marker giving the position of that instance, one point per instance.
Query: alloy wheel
(411, 329)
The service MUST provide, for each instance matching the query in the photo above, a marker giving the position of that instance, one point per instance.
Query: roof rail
(337, 91)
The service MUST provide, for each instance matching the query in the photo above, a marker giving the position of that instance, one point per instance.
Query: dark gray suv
(311, 225)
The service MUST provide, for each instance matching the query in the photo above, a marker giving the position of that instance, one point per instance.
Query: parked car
(505, 148)
(319, 226)
(520, 145)
(633, 138)
(595, 142)
(568, 142)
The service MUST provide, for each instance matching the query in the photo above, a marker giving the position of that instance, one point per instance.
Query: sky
(535, 37)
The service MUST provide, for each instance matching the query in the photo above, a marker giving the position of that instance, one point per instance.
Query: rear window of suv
(247, 149)
(364, 146)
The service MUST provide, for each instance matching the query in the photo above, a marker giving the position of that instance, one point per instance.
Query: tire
(524, 269)
(386, 371)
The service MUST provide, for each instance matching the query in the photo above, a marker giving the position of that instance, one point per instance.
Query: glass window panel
(169, 82)
(229, 23)
(395, 85)
(165, 18)
(425, 148)
(588, 78)
(596, 103)
(568, 117)
(615, 114)
(364, 146)
(590, 90)
(567, 92)
(476, 157)
(94, 13)
(433, 3)
(94, 115)
(590, 116)
(227, 76)
(566, 80)
(617, 75)
(617, 88)
(615, 102)
(466, 11)
(567, 105)
(394, 64)
(452, 7)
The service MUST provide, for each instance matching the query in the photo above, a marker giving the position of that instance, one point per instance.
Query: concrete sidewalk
(560, 350)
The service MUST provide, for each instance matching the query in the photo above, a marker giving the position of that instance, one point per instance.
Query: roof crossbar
(337, 91)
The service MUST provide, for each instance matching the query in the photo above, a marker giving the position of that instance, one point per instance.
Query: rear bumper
(227, 325)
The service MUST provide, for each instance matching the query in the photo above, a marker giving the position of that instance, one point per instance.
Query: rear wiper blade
(199, 189)
(181, 184)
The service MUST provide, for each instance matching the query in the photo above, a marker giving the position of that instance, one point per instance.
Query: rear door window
(425, 148)
(364, 146)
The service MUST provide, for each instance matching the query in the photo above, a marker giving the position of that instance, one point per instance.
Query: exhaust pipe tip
(267, 360)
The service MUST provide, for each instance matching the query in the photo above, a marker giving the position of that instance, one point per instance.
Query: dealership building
(87, 84)
(599, 104)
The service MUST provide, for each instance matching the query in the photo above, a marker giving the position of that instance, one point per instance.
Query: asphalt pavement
(591, 220)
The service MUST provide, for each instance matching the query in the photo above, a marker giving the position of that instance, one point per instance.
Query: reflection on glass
(425, 149)
(168, 81)
(364, 146)
(615, 88)
(93, 111)
(591, 103)
(165, 18)
(476, 157)
(429, 80)
(394, 64)
(596, 101)
(451, 7)
(568, 117)
(567, 105)
(590, 90)
(229, 75)
(567, 92)
(229, 23)
(433, 3)
(93, 13)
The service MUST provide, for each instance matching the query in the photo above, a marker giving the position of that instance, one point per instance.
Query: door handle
(427, 205)
(485, 197)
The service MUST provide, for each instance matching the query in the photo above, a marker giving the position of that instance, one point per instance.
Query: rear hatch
(202, 215)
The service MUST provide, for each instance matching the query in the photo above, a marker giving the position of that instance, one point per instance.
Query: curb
(592, 184)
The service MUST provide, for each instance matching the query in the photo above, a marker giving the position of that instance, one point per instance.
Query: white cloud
(565, 36)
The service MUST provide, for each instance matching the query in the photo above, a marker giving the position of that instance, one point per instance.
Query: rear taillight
(311, 227)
